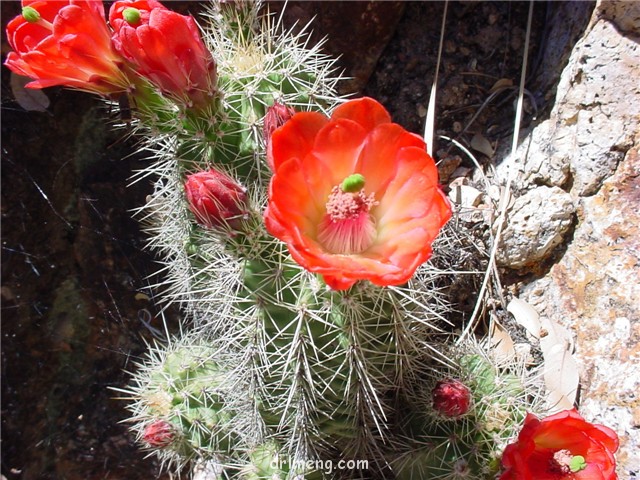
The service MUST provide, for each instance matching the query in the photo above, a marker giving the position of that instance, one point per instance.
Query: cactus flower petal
(354, 196)
(65, 42)
(563, 445)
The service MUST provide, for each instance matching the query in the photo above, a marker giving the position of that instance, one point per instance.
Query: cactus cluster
(275, 374)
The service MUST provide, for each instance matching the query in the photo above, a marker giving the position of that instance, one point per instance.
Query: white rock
(536, 224)
(595, 116)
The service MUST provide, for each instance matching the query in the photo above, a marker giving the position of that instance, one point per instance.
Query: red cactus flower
(159, 434)
(354, 196)
(165, 47)
(563, 445)
(65, 42)
(215, 199)
(451, 398)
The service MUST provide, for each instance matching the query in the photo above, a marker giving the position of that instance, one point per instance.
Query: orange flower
(65, 42)
(165, 47)
(354, 196)
(562, 446)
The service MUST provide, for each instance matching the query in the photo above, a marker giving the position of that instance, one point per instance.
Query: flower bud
(451, 398)
(159, 434)
(216, 199)
(277, 115)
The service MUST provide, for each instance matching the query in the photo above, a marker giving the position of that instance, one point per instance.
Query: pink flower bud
(277, 115)
(216, 199)
(159, 434)
(451, 398)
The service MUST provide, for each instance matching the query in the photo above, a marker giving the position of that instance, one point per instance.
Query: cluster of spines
(468, 446)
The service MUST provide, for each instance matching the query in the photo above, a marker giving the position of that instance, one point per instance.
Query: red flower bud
(451, 398)
(165, 47)
(159, 434)
(277, 115)
(215, 199)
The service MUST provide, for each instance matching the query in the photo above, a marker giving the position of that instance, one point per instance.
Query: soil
(76, 278)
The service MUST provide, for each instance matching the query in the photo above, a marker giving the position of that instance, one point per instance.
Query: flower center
(563, 463)
(347, 227)
(131, 16)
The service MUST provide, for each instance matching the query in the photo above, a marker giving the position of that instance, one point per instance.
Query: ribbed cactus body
(466, 446)
(184, 387)
(330, 359)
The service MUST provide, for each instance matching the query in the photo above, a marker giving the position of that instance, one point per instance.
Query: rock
(593, 135)
(624, 15)
(597, 109)
(592, 122)
(565, 22)
(539, 160)
(594, 290)
(536, 223)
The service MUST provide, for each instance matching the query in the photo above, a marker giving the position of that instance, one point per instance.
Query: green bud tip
(353, 183)
(30, 14)
(131, 15)
(577, 463)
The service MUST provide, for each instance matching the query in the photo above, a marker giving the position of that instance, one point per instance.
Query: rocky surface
(590, 147)
(594, 117)
(537, 222)
(594, 290)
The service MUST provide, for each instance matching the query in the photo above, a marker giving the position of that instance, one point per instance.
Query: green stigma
(577, 463)
(30, 14)
(353, 183)
(131, 15)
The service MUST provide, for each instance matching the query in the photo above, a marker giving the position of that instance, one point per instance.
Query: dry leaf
(560, 368)
(465, 195)
(560, 377)
(28, 98)
(525, 315)
(494, 192)
(448, 165)
(480, 144)
(502, 345)
(500, 84)
(142, 296)
(552, 333)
